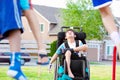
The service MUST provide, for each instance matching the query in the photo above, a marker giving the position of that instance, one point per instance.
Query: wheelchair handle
(67, 27)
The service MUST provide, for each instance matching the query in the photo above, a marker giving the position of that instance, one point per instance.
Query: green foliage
(52, 48)
(81, 14)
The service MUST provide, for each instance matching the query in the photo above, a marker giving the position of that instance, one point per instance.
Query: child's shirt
(71, 45)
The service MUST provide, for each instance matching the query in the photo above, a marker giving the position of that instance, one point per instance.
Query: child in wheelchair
(71, 52)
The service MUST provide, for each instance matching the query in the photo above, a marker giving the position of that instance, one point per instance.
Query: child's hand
(50, 67)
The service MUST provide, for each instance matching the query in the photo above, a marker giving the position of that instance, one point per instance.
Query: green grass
(32, 73)
(98, 72)
(103, 72)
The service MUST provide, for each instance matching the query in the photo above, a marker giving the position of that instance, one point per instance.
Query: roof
(117, 20)
(54, 30)
(48, 12)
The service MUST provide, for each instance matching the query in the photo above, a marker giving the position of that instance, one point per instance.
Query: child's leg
(32, 20)
(108, 19)
(15, 63)
(68, 60)
(34, 25)
(110, 26)
(15, 40)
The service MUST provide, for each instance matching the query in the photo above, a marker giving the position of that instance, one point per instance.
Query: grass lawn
(98, 72)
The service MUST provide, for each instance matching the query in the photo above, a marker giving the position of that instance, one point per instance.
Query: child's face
(70, 34)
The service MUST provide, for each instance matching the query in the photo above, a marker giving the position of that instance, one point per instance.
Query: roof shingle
(48, 12)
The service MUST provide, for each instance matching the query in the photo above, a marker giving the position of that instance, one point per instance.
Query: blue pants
(101, 3)
(10, 16)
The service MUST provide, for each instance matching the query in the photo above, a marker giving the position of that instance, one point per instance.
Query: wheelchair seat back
(79, 36)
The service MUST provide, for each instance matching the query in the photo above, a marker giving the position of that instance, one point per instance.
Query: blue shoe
(15, 67)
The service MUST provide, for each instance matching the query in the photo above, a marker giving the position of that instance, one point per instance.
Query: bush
(52, 48)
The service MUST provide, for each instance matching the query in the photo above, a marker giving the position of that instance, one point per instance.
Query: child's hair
(70, 30)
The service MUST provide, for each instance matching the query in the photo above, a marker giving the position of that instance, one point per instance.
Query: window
(109, 46)
(110, 50)
(41, 27)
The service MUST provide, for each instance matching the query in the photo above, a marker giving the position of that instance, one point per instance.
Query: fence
(97, 49)
(27, 46)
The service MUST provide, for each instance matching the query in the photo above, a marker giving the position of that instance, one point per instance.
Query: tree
(53, 48)
(81, 14)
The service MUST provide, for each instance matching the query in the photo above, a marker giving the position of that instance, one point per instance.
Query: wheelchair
(80, 67)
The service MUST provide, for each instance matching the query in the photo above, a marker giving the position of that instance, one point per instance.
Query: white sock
(115, 37)
(12, 73)
(18, 75)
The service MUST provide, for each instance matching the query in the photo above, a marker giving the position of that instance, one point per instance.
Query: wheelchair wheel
(56, 69)
(88, 73)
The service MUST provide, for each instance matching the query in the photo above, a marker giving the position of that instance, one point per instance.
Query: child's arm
(51, 61)
(58, 51)
(53, 58)
(81, 48)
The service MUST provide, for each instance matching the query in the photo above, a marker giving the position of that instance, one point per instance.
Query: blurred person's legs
(15, 60)
(108, 20)
(34, 25)
(11, 27)
(110, 26)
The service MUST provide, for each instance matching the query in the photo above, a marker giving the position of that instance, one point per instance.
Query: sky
(116, 8)
(61, 4)
(53, 3)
